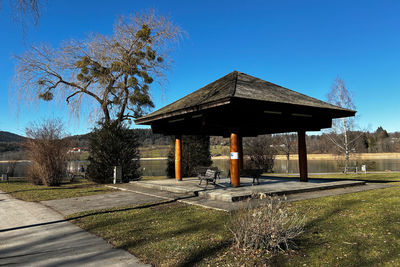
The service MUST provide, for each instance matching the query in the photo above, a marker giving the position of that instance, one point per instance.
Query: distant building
(78, 149)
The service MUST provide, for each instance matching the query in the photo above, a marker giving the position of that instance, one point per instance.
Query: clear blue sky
(301, 45)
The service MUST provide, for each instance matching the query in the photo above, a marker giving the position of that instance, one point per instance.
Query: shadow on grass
(363, 251)
(96, 213)
(51, 188)
(193, 255)
(198, 255)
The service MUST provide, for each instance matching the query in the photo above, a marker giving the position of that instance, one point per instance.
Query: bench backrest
(210, 173)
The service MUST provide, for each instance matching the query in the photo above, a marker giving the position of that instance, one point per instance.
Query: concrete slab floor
(230, 206)
(224, 192)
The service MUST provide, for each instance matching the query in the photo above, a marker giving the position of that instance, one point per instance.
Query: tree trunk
(346, 147)
(287, 162)
(107, 118)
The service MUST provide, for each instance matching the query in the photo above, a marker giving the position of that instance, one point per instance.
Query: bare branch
(340, 96)
(113, 72)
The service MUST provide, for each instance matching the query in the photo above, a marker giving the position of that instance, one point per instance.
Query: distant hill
(10, 142)
(7, 137)
(145, 138)
(81, 140)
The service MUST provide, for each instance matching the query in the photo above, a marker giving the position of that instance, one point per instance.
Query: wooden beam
(302, 156)
(234, 160)
(178, 158)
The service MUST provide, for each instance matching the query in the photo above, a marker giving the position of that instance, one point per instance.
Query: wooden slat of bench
(209, 176)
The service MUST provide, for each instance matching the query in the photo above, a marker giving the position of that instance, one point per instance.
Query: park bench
(210, 175)
(254, 173)
(351, 169)
(73, 174)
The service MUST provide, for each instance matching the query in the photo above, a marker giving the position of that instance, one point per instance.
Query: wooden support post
(234, 160)
(302, 156)
(178, 158)
(240, 150)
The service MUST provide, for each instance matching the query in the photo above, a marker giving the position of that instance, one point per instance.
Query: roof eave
(149, 118)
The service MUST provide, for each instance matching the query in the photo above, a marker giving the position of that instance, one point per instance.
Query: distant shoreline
(318, 156)
(354, 156)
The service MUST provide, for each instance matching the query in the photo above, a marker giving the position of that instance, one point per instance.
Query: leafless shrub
(271, 227)
(11, 165)
(261, 153)
(286, 143)
(47, 151)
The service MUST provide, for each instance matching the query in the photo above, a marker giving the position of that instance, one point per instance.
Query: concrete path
(95, 202)
(34, 235)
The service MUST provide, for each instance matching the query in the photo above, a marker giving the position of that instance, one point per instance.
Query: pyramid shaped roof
(238, 85)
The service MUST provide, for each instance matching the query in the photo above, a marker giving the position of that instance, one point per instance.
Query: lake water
(157, 167)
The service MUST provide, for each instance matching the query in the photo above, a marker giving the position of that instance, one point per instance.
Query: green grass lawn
(359, 229)
(22, 189)
(171, 234)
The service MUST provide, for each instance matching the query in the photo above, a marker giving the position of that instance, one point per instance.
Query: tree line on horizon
(378, 141)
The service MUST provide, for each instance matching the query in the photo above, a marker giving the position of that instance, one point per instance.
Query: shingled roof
(238, 85)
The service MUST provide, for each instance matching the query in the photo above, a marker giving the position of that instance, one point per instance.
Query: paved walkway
(96, 202)
(34, 235)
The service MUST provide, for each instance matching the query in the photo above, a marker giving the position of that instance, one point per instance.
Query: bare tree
(47, 150)
(286, 144)
(110, 74)
(261, 152)
(11, 166)
(24, 10)
(341, 134)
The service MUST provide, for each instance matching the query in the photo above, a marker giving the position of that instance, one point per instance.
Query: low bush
(271, 227)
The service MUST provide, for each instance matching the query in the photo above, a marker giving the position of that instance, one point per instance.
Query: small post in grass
(4, 177)
(117, 174)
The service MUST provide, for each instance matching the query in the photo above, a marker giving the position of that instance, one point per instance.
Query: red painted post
(234, 160)
(178, 158)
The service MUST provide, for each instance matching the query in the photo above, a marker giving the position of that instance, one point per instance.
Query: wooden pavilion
(239, 105)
